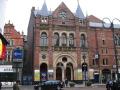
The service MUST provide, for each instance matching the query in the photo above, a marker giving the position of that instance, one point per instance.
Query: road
(75, 88)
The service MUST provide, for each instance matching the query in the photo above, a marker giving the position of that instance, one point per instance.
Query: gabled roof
(92, 18)
(79, 12)
(62, 7)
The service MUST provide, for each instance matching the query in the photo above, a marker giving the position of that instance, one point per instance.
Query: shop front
(7, 74)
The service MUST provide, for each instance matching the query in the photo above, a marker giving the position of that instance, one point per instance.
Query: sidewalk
(93, 85)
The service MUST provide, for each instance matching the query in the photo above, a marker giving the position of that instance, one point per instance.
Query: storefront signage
(6, 68)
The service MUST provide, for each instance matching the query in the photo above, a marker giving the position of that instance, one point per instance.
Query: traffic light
(84, 67)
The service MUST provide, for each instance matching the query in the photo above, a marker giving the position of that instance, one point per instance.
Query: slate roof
(96, 22)
(44, 10)
(92, 18)
(93, 21)
(79, 12)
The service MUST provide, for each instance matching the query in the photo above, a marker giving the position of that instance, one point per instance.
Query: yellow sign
(79, 74)
(36, 75)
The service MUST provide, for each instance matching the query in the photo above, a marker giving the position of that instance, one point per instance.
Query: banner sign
(17, 55)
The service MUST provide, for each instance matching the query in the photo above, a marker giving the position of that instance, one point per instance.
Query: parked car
(50, 85)
(38, 85)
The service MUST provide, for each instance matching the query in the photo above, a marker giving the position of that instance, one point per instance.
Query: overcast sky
(18, 11)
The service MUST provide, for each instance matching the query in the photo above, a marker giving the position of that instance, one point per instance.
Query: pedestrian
(110, 84)
(107, 86)
(15, 86)
(0, 85)
(66, 82)
(62, 84)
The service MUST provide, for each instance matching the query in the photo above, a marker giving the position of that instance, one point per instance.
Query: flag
(2, 50)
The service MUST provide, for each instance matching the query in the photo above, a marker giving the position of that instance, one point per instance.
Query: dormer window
(44, 19)
(81, 21)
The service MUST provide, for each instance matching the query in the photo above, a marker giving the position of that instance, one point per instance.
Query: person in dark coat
(66, 82)
(0, 85)
(107, 86)
(114, 86)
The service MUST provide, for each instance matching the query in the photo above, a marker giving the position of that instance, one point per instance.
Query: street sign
(17, 55)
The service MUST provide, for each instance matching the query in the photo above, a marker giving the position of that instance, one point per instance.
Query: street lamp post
(84, 68)
(111, 26)
(97, 57)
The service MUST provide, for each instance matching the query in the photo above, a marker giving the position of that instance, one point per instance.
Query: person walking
(107, 86)
(15, 86)
(0, 85)
(66, 82)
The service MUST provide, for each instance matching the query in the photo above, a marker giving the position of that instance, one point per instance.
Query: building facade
(15, 41)
(66, 45)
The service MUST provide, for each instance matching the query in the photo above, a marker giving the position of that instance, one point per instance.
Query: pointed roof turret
(79, 12)
(44, 10)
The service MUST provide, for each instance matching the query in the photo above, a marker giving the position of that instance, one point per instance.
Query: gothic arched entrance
(69, 71)
(59, 71)
(43, 71)
(64, 68)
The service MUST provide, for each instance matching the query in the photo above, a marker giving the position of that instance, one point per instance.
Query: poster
(36, 75)
(79, 74)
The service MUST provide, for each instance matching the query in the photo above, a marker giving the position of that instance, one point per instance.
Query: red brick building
(15, 40)
(61, 42)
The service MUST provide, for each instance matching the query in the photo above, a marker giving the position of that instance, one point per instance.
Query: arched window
(71, 40)
(60, 64)
(64, 39)
(56, 39)
(43, 40)
(105, 61)
(82, 40)
(116, 39)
